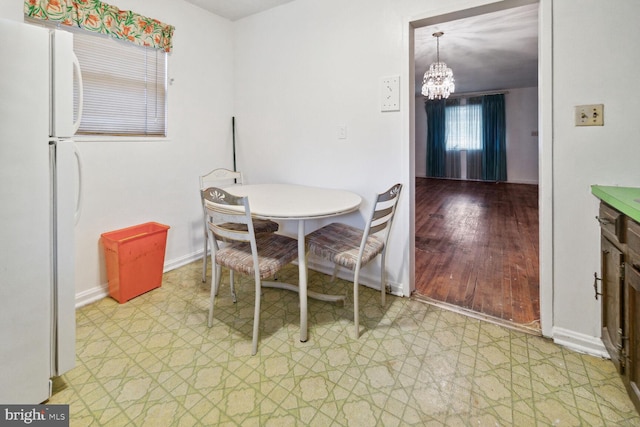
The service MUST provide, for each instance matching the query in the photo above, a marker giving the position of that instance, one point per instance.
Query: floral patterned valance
(99, 17)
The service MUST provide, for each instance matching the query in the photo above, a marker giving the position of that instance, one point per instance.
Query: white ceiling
(237, 9)
(493, 51)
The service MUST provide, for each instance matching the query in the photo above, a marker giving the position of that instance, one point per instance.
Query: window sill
(114, 138)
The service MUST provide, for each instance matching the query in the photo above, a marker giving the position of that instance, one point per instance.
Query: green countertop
(624, 199)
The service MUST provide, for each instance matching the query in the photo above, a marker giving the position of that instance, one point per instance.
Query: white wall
(128, 182)
(12, 11)
(300, 70)
(583, 156)
(522, 147)
(326, 59)
(522, 129)
(307, 67)
(420, 154)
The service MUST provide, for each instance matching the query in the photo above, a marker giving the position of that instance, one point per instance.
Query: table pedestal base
(310, 294)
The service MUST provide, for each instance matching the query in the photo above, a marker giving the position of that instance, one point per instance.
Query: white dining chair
(223, 178)
(351, 247)
(244, 251)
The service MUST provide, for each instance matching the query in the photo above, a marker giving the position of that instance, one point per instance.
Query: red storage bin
(135, 259)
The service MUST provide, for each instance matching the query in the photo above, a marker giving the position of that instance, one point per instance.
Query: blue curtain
(494, 156)
(436, 142)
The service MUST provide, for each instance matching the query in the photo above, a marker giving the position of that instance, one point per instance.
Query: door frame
(545, 135)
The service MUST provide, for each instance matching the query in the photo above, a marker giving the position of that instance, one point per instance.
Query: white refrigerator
(39, 204)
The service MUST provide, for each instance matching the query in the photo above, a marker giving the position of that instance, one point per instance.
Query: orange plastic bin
(135, 259)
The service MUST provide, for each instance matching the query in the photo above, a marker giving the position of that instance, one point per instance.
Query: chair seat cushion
(340, 244)
(275, 251)
(259, 226)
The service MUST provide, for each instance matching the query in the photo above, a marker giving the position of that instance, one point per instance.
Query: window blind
(125, 87)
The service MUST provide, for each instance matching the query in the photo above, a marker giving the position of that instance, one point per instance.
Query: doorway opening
(476, 243)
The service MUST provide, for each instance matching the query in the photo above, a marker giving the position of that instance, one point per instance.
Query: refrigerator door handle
(76, 66)
(78, 210)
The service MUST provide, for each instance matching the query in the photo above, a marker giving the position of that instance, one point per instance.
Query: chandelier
(438, 81)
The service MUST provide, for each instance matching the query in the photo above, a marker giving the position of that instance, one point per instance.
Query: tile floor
(152, 362)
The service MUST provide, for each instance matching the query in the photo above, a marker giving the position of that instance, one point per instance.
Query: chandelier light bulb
(438, 81)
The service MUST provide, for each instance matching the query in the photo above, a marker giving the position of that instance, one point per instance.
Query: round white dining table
(290, 202)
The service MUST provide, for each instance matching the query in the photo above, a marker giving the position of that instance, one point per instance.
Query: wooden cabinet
(612, 264)
(632, 312)
(620, 293)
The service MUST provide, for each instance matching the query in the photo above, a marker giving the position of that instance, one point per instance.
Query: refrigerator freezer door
(25, 215)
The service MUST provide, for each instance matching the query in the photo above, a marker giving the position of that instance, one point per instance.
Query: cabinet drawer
(633, 241)
(612, 222)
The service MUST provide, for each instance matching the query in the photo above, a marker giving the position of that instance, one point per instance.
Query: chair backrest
(220, 178)
(382, 214)
(223, 209)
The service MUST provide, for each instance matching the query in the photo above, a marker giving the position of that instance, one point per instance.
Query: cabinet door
(632, 370)
(612, 302)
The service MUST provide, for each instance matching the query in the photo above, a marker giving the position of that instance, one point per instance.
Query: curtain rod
(470, 94)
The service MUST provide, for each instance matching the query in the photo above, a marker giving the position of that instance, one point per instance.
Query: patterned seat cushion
(259, 226)
(275, 251)
(340, 244)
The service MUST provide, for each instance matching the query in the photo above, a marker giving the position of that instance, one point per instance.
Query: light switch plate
(589, 115)
(390, 94)
(342, 132)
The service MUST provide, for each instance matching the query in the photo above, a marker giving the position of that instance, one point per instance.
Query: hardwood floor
(477, 247)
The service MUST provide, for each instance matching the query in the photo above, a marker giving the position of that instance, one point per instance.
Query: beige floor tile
(153, 361)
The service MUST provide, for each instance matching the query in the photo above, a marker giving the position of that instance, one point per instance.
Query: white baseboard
(91, 295)
(367, 280)
(579, 342)
(184, 260)
(522, 181)
(371, 281)
(97, 293)
(514, 181)
(94, 294)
